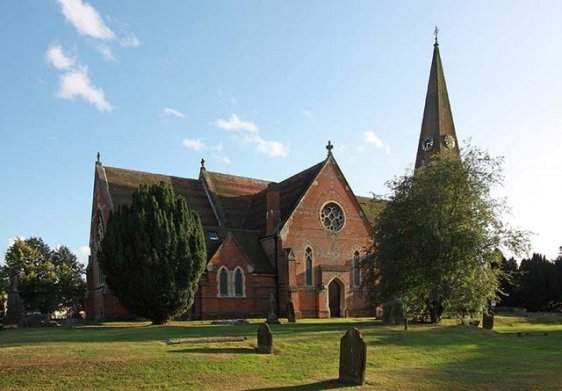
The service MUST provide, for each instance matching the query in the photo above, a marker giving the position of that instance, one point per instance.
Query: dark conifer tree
(536, 282)
(509, 283)
(153, 253)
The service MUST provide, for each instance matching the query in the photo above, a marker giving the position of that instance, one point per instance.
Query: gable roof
(293, 189)
(249, 244)
(232, 196)
(122, 183)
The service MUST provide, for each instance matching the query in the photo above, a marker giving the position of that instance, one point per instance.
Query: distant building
(300, 239)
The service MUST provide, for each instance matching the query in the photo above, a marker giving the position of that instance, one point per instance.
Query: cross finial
(98, 159)
(329, 147)
(202, 163)
(436, 33)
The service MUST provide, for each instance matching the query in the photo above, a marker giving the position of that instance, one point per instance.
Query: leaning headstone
(13, 313)
(488, 321)
(353, 358)
(265, 339)
(272, 317)
(290, 312)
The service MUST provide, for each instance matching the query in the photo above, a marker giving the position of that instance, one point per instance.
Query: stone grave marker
(265, 339)
(13, 313)
(353, 358)
(290, 312)
(488, 321)
(272, 317)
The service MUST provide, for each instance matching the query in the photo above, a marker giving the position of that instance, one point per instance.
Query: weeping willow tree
(438, 237)
(153, 253)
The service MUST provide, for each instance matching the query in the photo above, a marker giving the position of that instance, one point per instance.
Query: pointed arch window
(356, 269)
(239, 281)
(223, 282)
(308, 266)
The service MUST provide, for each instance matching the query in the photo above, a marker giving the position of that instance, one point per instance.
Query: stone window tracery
(308, 266)
(332, 217)
(357, 269)
(239, 282)
(223, 282)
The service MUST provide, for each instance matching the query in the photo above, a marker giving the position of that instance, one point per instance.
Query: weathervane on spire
(436, 33)
(98, 158)
(329, 147)
(203, 163)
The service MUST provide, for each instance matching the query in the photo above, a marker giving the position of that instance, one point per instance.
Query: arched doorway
(334, 299)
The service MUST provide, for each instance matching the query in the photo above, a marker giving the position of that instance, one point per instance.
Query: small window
(213, 235)
(238, 282)
(356, 269)
(308, 266)
(223, 282)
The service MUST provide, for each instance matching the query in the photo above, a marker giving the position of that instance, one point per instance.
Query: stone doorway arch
(335, 298)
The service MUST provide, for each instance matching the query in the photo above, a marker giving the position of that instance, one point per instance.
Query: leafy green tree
(437, 237)
(48, 280)
(30, 260)
(4, 284)
(70, 285)
(153, 253)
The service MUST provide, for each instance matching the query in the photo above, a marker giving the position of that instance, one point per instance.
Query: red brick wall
(258, 287)
(332, 252)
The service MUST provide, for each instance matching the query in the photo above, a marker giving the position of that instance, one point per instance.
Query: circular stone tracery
(332, 217)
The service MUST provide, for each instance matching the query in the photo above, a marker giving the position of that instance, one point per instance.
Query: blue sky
(257, 88)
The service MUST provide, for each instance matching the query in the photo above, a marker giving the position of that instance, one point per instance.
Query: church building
(299, 240)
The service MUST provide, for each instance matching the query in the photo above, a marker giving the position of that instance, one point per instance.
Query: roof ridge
(239, 176)
(149, 173)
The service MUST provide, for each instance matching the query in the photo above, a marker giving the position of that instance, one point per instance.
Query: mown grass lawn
(134, 356)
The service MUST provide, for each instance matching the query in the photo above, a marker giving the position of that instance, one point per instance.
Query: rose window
(332, 217)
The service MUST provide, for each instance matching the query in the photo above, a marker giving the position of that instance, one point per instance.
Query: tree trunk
(435, 311)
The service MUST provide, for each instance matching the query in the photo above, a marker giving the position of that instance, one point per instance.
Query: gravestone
(13, 313)
(272, 317)
(353, 358)
(488, 321)
(265, 339)
(290, 312)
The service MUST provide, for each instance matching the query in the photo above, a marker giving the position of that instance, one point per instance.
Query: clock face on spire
(449, 141)
(427, 143)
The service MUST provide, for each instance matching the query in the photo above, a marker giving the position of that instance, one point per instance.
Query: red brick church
(300, 239)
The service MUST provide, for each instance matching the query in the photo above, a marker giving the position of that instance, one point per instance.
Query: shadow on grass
(239, 350)
(321, 385)
(143, 332)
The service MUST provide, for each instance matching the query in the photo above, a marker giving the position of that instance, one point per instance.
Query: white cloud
(57, 58)
(341, 149)
(371, 138)
(86, 19)
(270, 148)
(235, 123)
(194, 144)
(308, 114)
(130, 41)
(247, 133)
(105, 52)
(169, 112)
(76, 83)
(82, 254)
(222, 159)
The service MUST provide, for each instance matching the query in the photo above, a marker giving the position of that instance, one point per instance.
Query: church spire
(437, 134)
